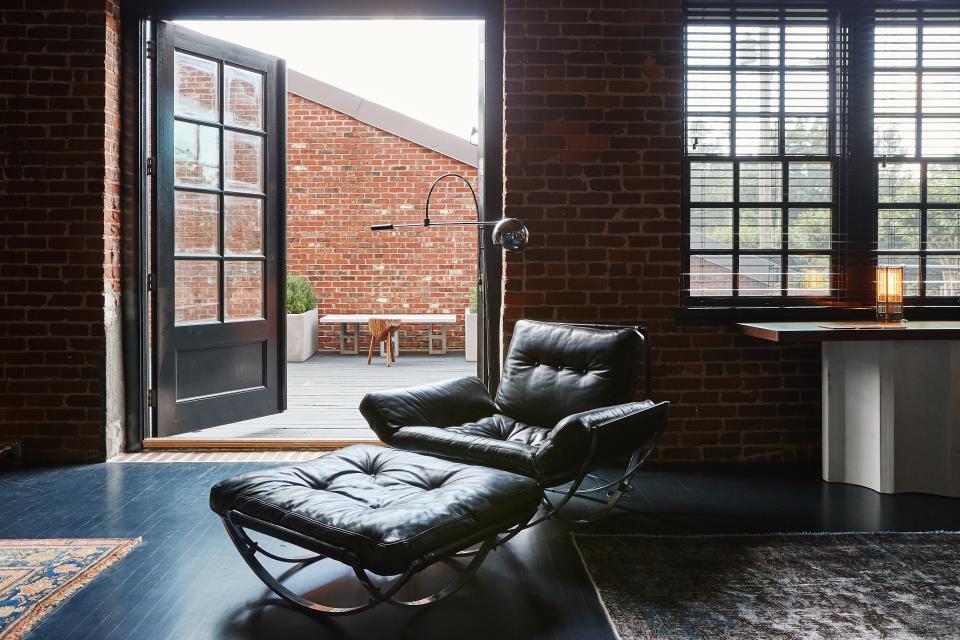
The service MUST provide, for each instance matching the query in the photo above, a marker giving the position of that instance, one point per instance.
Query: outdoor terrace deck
(324, 392)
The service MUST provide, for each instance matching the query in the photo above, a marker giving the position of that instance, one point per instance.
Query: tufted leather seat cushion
(496, 441)
(387, 507)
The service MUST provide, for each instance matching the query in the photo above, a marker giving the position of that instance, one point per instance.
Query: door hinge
(149, 166)
(152, 397)
(149, 282)
(151, 49)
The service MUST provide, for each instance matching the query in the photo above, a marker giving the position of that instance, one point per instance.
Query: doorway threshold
(251, 444)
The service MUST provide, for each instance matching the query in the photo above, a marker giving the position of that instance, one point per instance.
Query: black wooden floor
(186, 581)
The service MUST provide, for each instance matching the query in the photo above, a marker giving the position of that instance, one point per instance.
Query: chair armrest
(619, 429)
(442, 404)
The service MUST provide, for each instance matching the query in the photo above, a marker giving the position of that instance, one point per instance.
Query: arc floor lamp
(509, 233)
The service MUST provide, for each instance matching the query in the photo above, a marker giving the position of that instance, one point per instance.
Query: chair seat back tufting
(554, 370)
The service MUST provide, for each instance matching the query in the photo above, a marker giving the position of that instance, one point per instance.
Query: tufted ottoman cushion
(384, 507)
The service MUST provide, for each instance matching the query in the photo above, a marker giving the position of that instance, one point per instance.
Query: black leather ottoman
(382, 510)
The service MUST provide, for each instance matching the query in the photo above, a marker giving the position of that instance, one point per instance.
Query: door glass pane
(243, 225)
(195, 291)
(243, 293)
(243, 159)
(196, 87)
(244, 99)
(196, 155)
(195, 223)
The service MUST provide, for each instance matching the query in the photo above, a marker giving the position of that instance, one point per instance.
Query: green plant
(300, 295)
(473, 299)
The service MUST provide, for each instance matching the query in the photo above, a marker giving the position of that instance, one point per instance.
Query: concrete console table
(891, 402)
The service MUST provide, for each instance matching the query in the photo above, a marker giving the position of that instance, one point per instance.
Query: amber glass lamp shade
(890, 293)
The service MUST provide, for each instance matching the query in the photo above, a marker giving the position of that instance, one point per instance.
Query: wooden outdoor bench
(350, 328)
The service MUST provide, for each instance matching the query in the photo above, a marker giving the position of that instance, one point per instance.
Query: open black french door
(218, 232)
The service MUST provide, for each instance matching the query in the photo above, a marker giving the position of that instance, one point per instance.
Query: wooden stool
(382, 329)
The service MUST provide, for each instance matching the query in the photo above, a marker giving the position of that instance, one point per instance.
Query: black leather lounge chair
(462, 472)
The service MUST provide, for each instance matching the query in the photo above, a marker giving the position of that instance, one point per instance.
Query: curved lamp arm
(509, 233)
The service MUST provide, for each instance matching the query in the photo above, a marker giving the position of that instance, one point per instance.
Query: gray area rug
(902, 586)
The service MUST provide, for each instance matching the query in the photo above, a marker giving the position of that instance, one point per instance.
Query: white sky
(426, 69)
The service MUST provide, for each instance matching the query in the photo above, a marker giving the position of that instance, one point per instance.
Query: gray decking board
(324, 392)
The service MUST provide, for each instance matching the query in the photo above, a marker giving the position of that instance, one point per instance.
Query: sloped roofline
(381, 117)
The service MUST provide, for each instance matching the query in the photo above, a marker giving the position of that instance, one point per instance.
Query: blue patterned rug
(37, 575)
(864, 586)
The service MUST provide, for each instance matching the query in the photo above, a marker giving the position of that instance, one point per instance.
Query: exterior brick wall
(593, 95)
(343, 176)
(59, 273)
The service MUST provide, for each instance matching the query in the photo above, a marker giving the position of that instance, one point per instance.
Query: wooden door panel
(218, 235)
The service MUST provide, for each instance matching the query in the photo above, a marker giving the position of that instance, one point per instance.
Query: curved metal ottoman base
(249, 550)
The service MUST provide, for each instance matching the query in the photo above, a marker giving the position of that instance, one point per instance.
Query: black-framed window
(917, 147)
(822, 137)
(760, 171)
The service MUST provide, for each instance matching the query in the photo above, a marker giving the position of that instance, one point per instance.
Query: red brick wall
(593, 133)
(343, 176)
(58, 230)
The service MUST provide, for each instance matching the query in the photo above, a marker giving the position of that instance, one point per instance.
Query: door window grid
(759, 163)
(218, 157)
(917, 148)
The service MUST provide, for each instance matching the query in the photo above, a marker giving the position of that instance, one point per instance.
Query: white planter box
(301, 335)
(470, 335)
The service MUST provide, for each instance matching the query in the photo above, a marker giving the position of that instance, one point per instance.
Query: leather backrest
(553, 370)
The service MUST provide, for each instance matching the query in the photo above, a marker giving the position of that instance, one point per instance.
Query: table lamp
(890, 293)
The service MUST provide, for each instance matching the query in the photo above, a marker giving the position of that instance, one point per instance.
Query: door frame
(136, 19)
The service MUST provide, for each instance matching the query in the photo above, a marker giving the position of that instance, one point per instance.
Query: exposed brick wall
(593, 93)
(58, 232)
(343, 176)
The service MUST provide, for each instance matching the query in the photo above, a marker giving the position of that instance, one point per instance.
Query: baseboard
(248, 444)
